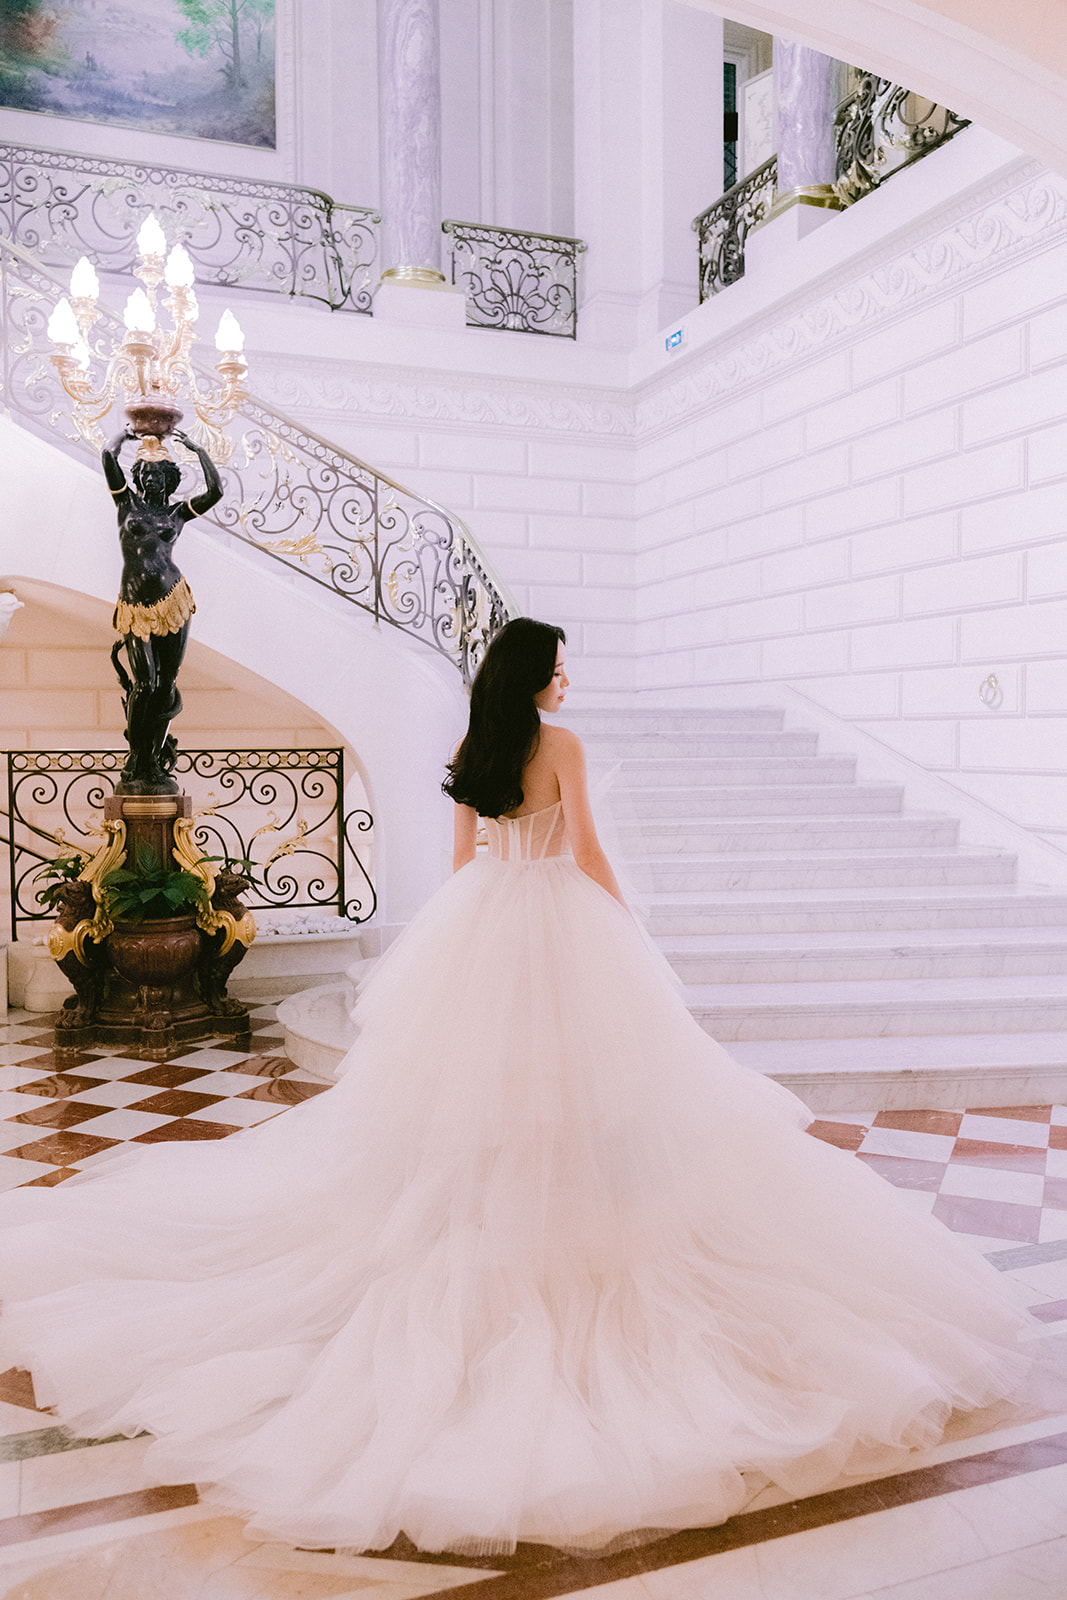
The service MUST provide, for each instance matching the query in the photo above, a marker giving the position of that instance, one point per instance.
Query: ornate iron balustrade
(881, 128)
(519, 281)
(278, 238)
(281, 809)
(723, 228)
(289, 493)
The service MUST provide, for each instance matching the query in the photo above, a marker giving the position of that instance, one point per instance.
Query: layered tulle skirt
(545, 1264)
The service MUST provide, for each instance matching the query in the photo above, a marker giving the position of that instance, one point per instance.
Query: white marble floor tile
(857, 1119)
(264, 1013)
(114, 1067)
(12, 1054)
(1053, 1225)
(993, 1183)
(123, 1124)
(9, 1488)
(13, 1104)
(1004, 1130)
(1059, 1116)
(1056, 1164)
(904, 1142)
(117, 1093)
(20, 1419)
(94, 1473)
(1048, 1277)
(14, 1134)
(14, 1171)
(211, 1059)
(733, 1575)
(15, 1032)
(12, 1077)
(238, 1113)
(270, 1033)
(228, 1083)
(1036, 1573)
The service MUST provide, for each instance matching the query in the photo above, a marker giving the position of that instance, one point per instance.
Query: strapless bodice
(533, 837)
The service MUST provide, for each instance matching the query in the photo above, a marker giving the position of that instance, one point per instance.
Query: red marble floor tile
(1050, 1311)
(59, 1084)
(167, 1132)
(1009, 1157)
(44, 1063)
(48, 1180)
(283, 1091)
(1042, 1114)
(177, 1102)
(166, 1075)
(92, 1513)
(1057, 1137)
(845, 1135)
(60, 1114)
(1056, 1193)
(264, 1066)
(906, 1172)
(947, 1122)
(994, 1219)
(63, 1148)
(16, 1389)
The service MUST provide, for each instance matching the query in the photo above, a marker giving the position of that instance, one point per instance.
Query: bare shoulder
(560, 740)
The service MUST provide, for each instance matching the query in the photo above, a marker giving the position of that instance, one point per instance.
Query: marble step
(820, 870)
(747, 835)
(889, 1008)
(732, 771)
(768, 912)
(917, 1073)
(785, 800)
(813, 958)
(702, 746)
(652, 720)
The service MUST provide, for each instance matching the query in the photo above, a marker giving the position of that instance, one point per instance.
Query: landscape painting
(200, 68)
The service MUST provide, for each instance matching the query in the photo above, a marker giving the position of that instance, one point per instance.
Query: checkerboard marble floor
(982, 1514)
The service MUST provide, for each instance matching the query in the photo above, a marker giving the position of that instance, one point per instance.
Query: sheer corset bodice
(537, 836)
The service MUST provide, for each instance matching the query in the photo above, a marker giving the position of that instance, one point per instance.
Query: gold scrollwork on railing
(990, 692)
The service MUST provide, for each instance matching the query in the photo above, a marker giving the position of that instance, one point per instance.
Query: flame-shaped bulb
(84, 284)
(138, 315)
(63, 325)
(151, 240)
(179, 269)
(228, 337)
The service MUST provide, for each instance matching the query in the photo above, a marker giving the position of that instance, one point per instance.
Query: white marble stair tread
(1035, 896)
(1049, 991)
(822, 868)
(926, 1072)
(877, 939)
(723, 771)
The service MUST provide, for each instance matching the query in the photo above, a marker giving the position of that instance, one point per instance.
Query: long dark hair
(487, 769)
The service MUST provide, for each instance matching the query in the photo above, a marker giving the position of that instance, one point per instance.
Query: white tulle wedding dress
(544, 1265)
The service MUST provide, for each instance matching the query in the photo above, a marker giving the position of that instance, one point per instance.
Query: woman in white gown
(545, 1264)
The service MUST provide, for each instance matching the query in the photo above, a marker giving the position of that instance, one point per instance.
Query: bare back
(540, 776)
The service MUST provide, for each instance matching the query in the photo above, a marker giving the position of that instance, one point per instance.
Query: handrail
(289, 493)
(275, 238)
(516, 280)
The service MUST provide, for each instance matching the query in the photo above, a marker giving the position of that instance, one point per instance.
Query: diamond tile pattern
(997, 1173)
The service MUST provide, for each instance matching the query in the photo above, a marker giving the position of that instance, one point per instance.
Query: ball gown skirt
(544, 1264)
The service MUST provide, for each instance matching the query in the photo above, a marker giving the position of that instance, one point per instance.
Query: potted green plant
(155, 940)
(56, 874)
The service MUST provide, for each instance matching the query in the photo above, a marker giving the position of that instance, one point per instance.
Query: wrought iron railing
(882, 128)
(515, 280)
(723, 228)
(279, 238)
(289, 493)
(283, 810)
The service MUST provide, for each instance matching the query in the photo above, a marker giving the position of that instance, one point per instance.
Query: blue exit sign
(675, 339)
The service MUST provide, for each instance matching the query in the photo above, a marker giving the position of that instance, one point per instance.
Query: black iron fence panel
(280, 811)
(242, 233)
(881, 128)
(722, 229)
(514, 280)
(289, 493)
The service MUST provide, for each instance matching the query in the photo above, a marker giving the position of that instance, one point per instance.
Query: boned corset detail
(537, 836)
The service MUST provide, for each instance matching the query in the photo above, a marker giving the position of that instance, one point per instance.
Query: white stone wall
(858, 485)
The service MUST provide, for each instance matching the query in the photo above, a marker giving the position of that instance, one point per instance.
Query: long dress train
(545, 1264)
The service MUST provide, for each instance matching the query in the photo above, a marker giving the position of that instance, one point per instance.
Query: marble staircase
(828, 937)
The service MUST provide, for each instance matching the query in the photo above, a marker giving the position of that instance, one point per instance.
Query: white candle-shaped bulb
(179, 269)
(229, 338)
(138, 315)
(81, 355)
(63, 325)
(84, 284)
(151, 240)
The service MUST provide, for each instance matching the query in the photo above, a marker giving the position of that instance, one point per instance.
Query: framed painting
(200, 68)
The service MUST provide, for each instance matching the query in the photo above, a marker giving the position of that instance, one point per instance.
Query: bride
(545, 1264)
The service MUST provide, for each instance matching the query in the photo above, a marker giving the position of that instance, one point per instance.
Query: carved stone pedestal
(154, 984)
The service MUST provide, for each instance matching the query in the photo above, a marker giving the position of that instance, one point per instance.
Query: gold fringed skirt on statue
(168, 615)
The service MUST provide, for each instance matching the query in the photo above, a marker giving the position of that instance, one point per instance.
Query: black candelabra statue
(155, 602)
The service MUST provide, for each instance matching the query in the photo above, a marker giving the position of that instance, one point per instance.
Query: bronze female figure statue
(154, 605)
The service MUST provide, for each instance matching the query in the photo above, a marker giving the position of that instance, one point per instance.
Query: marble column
(807, 89)
(409, 117)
